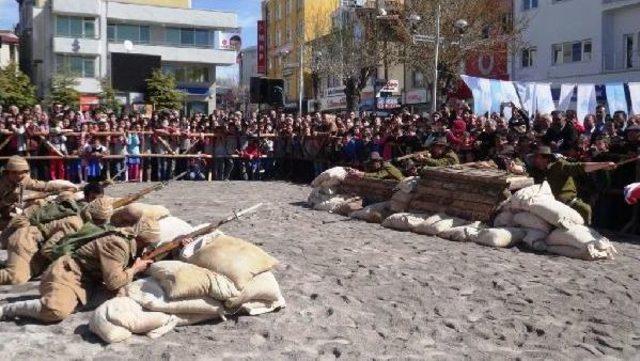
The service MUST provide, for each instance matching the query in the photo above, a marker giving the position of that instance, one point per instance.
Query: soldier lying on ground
(36, 234)
(110, 262)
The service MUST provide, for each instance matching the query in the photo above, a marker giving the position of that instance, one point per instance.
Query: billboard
(262, 47)
(230, 40)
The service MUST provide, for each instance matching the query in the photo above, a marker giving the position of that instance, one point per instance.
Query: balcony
(175, 53)
(171, 16)
(84, 7)
(82, 46)
(620, 62)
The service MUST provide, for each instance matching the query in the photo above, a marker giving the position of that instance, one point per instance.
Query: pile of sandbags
(325, 195)
(534, 217)
(217, 275)
(374, 213)
(330, 178)
(403, 195)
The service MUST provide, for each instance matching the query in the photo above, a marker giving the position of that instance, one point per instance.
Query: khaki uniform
(105, 261)
(388, 171)
(561, 176)
(24, 261)
(10, 196)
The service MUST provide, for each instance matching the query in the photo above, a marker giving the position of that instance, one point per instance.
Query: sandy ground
(359, 291)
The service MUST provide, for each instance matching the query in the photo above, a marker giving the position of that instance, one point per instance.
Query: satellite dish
(128, 45)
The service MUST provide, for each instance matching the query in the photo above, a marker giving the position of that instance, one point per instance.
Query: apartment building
(578, 41)
(291, 24)
(123, 41)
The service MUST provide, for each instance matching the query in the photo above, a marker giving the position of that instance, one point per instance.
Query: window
(74, 26)
(572, 52)
(628, 51)
(138, 34)
(289, 6)
(185, 73)
(529, 4)
(189, 37)
(418, 80)
(528, 57)
(79, 66)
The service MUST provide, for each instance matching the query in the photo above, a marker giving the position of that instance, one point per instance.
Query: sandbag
(172, 227)
(557, 213)
(465, 233)
(400, 201)
(261, 295)
(374, 213)
(531, 221)
(590, 244)
(524, 198)
(504, 219)
(116, 319)
(436, 228)
(130, 214)
(330, 178)
(535, 239)
(408, 185)
(149, 294)
(500, 237)
(320, 195)
(184, 280)
(403, 221)
(234, 258)
(100, 325)
(345, 209)
(332, 204)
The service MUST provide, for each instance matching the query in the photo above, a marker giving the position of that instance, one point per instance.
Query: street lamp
(460, 25)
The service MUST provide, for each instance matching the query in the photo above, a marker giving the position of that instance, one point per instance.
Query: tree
(108, 100)
(353, 50)
(63, 90)
(162, 91)
(491, 30)
(16, 88)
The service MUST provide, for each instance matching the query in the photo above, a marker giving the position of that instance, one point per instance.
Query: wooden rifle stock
(177, 242)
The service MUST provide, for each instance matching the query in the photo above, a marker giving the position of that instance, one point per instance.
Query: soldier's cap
(101, 209)
(147, 230)
(17, 164)
(442, 141)
(545, 151)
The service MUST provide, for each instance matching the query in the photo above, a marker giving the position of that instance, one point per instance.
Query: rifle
(177, 242)
(413, 155)
(137, 196)
(627, 161)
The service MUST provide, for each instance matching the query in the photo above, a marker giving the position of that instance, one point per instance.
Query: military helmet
(17, 164)
(147, 230)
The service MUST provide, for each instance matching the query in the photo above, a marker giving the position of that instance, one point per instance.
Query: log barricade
(374, 190)
(468, 193)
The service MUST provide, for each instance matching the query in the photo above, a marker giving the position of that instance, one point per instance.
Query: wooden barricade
(374, 190)
(468, 193)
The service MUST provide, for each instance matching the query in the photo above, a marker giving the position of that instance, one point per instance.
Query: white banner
(616, 98)
(634, 91)
(544, 100)
(586, 101)
(566, 93)
(527, 92)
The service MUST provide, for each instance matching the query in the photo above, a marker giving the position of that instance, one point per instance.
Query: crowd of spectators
(228, 145)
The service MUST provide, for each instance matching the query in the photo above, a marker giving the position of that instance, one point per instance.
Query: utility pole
(434, 96)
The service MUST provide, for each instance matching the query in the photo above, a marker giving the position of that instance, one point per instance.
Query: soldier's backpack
(54, 211)
(89, 232)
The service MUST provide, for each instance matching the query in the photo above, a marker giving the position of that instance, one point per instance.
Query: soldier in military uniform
(28, 247)
(111, 262)
(377, 168)
(440, 155)
(561, 174)
(15, 179)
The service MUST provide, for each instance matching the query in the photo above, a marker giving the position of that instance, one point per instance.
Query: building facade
(86, 37)
(290, 25)
(9, 48)
(248, 66)
(578, 41)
